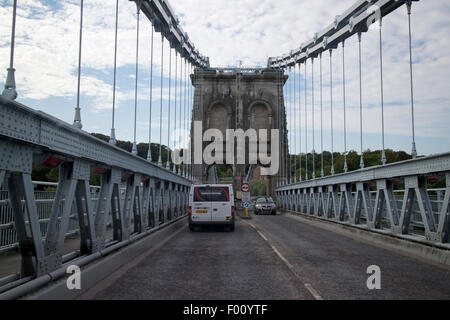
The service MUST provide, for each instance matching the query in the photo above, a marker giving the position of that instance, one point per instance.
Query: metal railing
(44, 202)
(136, 197)
(402, 202)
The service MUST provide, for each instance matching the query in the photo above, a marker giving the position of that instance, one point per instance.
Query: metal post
(149, 153)
(77, 119)
(10, 85)
(331, 111)
(161, 102)
(345, 115)
(383, 153)
(414, 150)
(112, 139)
(138, 4)
(361, 162)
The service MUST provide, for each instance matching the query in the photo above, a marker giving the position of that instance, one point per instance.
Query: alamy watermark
(235, 142)
(374, 280)
(74, 280)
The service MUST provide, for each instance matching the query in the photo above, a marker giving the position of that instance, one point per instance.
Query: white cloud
(252, 30)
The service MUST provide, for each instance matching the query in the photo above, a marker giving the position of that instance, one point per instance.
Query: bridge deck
(270, 257)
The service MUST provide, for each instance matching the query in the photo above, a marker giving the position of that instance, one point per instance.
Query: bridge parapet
(152, 195)
(393, 197)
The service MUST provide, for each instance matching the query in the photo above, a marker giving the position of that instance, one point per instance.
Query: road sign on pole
(246, 201)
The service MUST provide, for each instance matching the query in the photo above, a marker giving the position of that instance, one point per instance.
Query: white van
(211, 204)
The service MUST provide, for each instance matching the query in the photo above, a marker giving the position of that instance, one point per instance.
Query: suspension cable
(294, 121)
(345, 111)
(278, 81)
(149, 153)
(180, 104)
(194, 82)
(383, 154)
(10, 85)
(13, 35)
(191, 114)
(321, 119)
(306, 121)
(361, 162)
(286, 98)
(175, 103)
(280, 123)
(300, 117)
(112, 139)
(184, 109)
(138, 4)
(168, 116)
(414, 150)
(161, 102)
(77, 119)
(331, 111)
(188, 112)
(313, 128)
(290, 123)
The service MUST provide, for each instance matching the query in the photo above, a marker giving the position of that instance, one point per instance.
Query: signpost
(246, 201)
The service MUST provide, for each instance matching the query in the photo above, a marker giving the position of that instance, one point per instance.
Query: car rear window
(264, 200)
(211, 194)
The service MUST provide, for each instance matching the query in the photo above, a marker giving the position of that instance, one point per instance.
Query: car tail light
(232, 211)
(190, 211)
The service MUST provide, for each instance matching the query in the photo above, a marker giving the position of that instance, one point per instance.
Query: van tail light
(232, 211)
(190, 211)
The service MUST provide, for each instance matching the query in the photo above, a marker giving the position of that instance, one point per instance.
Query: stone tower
(241, 99)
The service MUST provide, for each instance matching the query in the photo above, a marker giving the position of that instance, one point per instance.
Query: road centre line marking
(308, 286)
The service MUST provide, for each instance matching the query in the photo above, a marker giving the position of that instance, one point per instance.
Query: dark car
(265, 205)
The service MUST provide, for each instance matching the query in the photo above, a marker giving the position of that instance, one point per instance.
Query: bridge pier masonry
(240, 98)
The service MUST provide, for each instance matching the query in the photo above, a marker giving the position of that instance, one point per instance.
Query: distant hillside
(142, 147)
(371, 158)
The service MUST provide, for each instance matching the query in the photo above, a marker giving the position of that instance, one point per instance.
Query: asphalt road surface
(270, 258)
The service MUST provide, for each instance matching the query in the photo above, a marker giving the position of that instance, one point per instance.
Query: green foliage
(142, 148)
(41, 173)
(224, 171)
(371, 158)
(258, 187)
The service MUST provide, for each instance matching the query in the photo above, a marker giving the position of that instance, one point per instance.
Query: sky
(46, 62)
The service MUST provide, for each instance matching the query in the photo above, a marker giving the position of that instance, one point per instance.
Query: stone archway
(260, 116)
(219, 115)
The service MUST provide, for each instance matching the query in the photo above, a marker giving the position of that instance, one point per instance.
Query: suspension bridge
(129, 234)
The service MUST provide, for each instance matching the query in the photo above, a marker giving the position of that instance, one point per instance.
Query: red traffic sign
(245, 187)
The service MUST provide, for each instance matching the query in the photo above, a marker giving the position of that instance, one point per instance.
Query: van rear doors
(221, 203)
(201, 205)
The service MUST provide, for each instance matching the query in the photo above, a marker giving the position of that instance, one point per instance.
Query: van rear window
(211, 194)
